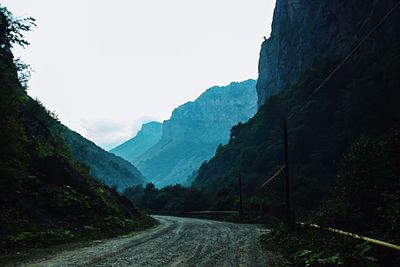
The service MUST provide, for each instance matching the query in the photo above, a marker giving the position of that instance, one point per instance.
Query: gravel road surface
(174, 242)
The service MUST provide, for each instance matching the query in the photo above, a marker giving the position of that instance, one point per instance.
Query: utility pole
(240, 195)
(288, 201)
(271, 195)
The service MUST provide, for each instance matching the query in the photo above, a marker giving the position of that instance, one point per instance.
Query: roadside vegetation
(46, 196)
(343, 152)
(345, 164)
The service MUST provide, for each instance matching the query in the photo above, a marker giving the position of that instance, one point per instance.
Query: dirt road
(175, 242)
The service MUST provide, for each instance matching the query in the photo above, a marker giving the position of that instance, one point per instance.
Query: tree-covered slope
(105, 166)
(343, 138)
(361, 99)
(46, 195)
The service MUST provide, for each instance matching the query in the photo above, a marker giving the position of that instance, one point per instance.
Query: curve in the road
(175, 242)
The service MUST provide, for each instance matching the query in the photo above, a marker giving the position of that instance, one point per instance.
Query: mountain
(195, 130)
(148, 136)
(105, 166)
(342, 137)
(308, 40)
(304, 30)
(46, 196)
(332, 69)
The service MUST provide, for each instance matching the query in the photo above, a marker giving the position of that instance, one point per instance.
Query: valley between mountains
(310, 150)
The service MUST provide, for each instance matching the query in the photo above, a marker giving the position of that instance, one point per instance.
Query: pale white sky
(106, 66)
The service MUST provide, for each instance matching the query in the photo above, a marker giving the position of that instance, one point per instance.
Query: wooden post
(288, 201)
(240, 195)
(271, 195)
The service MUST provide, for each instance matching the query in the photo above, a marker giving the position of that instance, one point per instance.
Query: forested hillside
(343, 136)
(359, 102)
(104, 166)
(46, 196)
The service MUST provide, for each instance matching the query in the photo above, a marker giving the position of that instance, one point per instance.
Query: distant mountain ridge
(105, 166)
(148, 136)
(194, 131)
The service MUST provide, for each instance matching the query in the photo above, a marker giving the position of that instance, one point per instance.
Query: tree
(11, 29)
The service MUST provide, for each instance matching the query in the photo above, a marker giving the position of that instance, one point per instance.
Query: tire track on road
(175, 242)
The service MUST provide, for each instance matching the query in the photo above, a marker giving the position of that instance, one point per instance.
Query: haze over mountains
(191, 135)
(148, 136)
(343, 138)
(329, 72)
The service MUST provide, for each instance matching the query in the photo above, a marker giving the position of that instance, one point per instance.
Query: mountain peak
(195, 130)
(149, 134)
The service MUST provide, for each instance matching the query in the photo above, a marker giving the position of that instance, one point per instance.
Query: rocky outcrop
(359, 102)
(304, 30)
(212, 114)
(148, 136)
(195, 130)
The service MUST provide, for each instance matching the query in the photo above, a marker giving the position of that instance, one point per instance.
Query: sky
(105, 67)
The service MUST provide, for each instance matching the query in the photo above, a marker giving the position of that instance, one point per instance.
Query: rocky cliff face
(148, 136)
(304, 30)
(210, 117)
(194, 131)
(360, 100)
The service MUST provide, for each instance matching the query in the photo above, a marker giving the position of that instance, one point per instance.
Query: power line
(272, 178)
(343, 61)
(283, 167)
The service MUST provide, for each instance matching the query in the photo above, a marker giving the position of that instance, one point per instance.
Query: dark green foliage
(106, 167)
(361, 99)
(170, 198)
(12, 28)
(343, 155)
(310, 247)
(45, 195)
(366, 201)
(367, 195)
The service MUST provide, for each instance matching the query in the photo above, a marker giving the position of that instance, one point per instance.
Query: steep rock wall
(304, 30)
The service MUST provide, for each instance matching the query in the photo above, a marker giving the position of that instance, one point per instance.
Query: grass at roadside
(109, 227)
(304, 246)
